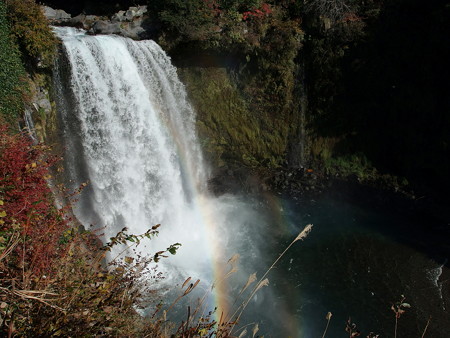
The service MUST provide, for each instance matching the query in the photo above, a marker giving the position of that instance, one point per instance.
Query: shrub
(53, 281)
(257, 13)
(241, 5)
(27, 203)
(29, 26)
(348, 165)
(189, 19)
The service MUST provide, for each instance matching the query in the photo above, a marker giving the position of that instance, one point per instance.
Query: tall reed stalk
(328, 318)
(263, 281)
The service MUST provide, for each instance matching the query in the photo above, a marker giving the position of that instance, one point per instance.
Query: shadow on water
(365, 251)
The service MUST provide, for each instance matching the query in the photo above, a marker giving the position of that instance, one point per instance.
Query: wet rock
(38, 116)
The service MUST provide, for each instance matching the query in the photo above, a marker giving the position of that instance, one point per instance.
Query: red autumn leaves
(27, 206)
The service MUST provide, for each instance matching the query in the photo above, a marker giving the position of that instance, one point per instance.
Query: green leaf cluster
(122, 237)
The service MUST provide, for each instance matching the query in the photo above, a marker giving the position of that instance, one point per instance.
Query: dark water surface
(358, 260)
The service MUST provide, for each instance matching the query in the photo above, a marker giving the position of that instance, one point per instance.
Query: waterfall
(129, 132)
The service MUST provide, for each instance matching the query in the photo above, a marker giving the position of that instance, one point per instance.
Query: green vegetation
(348, 165)
(231, 132)
(245, 97)
(12, 73)
(210, 25)
(188, 20)
(31, 31)
(25, 39)
(55, 280)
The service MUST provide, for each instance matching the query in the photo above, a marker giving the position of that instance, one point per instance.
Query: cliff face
(360, 91)
(239, 65)
(246, 104)
(363, 94)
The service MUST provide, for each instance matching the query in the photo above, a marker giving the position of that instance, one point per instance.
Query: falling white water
(29, 124)
(434, 276)
(130, 133)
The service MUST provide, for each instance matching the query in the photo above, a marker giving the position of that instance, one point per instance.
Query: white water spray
(435, 275)
(130, 133)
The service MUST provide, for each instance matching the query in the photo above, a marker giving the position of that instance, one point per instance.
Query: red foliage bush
(256, 13)
(27, 202)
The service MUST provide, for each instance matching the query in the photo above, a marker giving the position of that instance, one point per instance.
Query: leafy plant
(352, 329)
(29, 26)
(355, 164)
(53, 277)
(399, 308)
(27, 200)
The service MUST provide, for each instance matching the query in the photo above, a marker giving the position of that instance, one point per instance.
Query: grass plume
(263, 281)
(328, 318)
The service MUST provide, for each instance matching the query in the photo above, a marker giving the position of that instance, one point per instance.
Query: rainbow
(217, 294)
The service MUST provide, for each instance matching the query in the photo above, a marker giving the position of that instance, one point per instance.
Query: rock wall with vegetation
(27, 54)
(349, 88)
(238, 61)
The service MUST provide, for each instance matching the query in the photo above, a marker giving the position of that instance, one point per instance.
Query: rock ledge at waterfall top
(130, 23)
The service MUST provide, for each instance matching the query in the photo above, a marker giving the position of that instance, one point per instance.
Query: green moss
(229, 129)
(12, 73)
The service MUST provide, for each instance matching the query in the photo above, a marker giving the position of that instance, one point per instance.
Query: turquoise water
(358, 260)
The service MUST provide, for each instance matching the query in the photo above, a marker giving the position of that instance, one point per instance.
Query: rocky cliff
(351, 92)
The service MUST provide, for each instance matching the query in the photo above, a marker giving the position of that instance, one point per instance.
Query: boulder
(130, 15)
(55, 15)
(106, 27)
(128, 23)
(133, 30)
(118, 17)
(83, 21)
